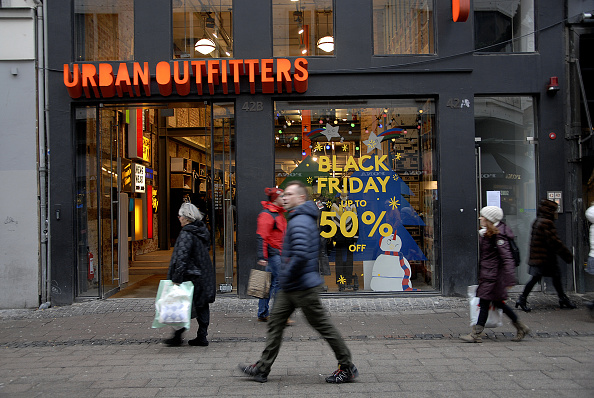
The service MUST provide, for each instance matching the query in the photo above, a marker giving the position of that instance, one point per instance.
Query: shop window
(303, 28)
(506, 160)
(202, 28)
(104, 30)
(403, 27)
(504, 25)
(371, 170)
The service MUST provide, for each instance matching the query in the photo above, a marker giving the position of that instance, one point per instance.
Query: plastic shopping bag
(173, 305)
(495, 317)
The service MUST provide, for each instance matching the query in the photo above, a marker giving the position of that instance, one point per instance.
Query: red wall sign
(460, 10)
(104, 82)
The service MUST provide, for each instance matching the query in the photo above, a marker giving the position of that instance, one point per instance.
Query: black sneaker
(253, 372)
(343, 375)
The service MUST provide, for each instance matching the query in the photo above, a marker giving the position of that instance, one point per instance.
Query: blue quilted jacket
(299, 261)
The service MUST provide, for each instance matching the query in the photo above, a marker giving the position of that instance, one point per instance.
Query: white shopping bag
(495, 317)
(173, 305)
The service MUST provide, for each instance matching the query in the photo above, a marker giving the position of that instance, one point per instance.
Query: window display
(371, 171)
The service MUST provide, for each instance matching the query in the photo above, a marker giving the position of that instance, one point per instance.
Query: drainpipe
(42, 139)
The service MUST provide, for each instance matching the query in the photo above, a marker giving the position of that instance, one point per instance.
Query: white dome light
(204, 46)
(326, 44)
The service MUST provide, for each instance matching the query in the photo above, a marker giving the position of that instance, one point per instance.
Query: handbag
(173, 304)
(259, 283)
(495, 317)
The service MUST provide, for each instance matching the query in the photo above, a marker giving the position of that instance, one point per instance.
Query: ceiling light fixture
(326, 43)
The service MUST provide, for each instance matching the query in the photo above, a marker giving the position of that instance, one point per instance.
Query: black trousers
(535, 279)
(484, 313)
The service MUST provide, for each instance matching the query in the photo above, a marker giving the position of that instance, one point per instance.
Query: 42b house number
(457, 103)
(252, 106)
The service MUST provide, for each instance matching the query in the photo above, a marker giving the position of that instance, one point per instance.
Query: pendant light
(326, 43)
(205, 45)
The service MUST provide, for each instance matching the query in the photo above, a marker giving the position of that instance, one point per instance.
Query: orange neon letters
(101, 81)
(460, 10)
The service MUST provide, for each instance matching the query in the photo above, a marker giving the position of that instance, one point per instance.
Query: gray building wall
(19, 210)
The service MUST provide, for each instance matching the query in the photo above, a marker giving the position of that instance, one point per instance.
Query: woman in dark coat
(496, 274)
(544, 247)
(190, 261)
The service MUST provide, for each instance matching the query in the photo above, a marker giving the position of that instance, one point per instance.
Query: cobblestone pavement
(402, 347)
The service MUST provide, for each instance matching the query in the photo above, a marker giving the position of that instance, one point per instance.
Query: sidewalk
(402, 346)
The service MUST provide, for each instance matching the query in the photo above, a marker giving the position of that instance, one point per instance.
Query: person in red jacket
(270, 234)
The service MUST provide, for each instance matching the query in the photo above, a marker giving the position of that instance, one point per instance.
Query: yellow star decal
(394, 203)
(395, 177)
(341, 280)
(345, 148)
(371, 143)
(319, 147)
(309, 180)
(329, 205)
(398, 156)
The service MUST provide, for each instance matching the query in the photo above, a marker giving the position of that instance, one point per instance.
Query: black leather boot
(175, 340)
(523, 304)
(564, 302)
(200, 340)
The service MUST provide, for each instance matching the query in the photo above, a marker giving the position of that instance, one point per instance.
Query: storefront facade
(402, 116)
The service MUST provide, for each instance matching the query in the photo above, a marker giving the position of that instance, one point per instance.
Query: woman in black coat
(545, 245)
(190, 261)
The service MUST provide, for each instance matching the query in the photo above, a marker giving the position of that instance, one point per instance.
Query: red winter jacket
(271, 229)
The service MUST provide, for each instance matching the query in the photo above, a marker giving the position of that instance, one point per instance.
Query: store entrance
(506, 165)
(135, 166)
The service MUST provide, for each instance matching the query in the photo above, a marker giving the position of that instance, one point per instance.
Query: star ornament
(309, 180)
(398, 156)
(319, 147)
(345, 148)
(341, 280)
(394, 203)
(372, 142)
(331, 132)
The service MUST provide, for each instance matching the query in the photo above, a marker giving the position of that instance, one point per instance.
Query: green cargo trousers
(309, 301)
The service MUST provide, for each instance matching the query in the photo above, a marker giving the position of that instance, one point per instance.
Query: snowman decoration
(391, 271)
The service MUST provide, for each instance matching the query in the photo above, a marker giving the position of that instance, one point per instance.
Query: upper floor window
(403, 27)
(202, 28)
(302, 28)
(504, 25)
(104, 30)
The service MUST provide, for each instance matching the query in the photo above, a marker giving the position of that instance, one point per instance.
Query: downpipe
(42, 157)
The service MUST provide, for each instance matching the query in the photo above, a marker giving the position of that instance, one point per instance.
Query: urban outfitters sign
(102, 81)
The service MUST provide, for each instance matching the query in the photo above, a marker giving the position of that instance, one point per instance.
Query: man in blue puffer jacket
(301, 284)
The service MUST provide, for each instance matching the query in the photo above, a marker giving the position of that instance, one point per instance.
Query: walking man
(300, 284)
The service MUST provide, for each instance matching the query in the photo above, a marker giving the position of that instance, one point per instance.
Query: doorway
(135, 166)
(506, 165)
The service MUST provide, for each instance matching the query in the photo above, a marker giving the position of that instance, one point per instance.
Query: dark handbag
(259, 283)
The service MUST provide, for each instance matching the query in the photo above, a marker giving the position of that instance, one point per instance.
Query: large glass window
(302, 28)
(104, 30)
(202, 28)
(504, 25)
(370, 167)
(506, 164)
(403, 27)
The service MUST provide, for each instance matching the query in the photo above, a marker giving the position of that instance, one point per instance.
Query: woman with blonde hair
(496, 274)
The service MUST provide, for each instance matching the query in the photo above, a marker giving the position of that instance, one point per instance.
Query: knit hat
(492, 213)
(273, 193)
(190, 212)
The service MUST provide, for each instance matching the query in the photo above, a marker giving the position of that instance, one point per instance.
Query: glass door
(107, 148)
(506, 164)
(224, 189)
